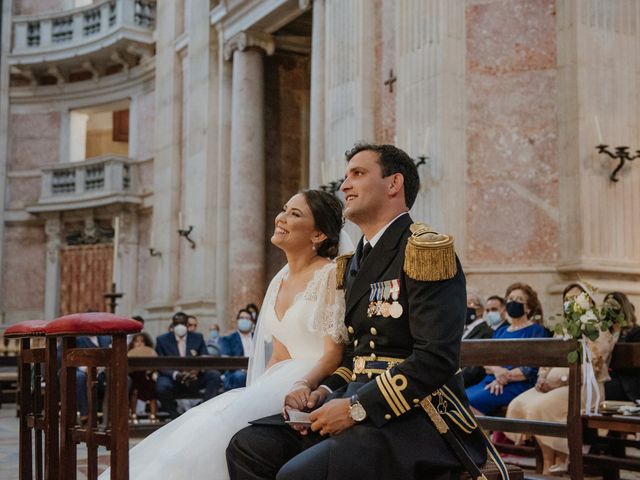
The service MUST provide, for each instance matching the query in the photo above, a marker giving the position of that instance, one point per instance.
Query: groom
(396, 407)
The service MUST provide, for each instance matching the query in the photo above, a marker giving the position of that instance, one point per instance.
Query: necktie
(365, 251)
(182, 347)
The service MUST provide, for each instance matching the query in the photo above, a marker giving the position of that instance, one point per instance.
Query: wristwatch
(356, 410)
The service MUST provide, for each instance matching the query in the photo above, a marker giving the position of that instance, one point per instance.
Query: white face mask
(180, 330)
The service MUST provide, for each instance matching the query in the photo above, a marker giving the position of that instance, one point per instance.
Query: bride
(302, 317)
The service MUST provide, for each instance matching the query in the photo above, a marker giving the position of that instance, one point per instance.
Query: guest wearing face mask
(494, 318)
(238, 344)
(181, 343)
(503, 383)
(476, 326)
(213, 342)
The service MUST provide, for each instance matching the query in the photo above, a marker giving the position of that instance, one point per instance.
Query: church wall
(23, 191)
(34, 140)
(23, 272)
(513, 169)
(145, 121)
(287, 92)
(34, 7)
(144, 283)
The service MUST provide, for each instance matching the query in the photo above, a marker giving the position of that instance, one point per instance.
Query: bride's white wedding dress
(193, 445)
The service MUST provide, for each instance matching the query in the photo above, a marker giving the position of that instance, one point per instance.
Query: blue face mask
(213, 334)
(245, 325)
(493, 319)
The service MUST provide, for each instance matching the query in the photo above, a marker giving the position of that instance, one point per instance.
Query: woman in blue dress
(503, 383)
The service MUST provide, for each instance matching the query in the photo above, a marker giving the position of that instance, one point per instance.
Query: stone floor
(9, 450)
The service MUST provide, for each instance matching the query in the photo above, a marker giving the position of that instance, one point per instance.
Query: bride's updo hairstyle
(327, 215)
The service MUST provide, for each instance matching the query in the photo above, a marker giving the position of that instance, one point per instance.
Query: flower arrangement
(582, 321)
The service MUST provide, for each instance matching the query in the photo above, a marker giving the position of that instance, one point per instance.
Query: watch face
(357, 412)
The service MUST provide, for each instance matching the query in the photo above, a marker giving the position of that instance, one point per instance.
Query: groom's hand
(317, 398)
(332, 418)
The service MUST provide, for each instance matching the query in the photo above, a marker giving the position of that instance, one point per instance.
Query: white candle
(116, 242)
(395, 140)
(180, 220)
(425, 144)
(595, 119)
(323, 172)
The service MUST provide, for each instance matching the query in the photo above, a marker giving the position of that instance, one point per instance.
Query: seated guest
(213, 342)
(192, 323)
(238, 344)
(81, 374)
(475, 326)
(254, 311)
(625, 382)
(548, 401)
(494, 317)
(143, 384)
(180, 342)
(503, 383)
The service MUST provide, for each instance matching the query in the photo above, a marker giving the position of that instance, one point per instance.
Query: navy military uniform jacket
(399, 362)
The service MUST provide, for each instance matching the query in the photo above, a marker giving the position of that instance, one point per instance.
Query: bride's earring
(313, 247)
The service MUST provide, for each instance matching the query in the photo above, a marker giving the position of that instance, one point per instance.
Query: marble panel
(34, 140)
(34, 7)
(510, 36)
(23, 191)
(144, 283)
(23, 269)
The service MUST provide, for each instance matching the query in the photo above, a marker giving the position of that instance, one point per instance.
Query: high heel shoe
(559, 468)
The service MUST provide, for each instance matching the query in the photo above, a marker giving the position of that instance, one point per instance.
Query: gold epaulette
(429, 256)
(341, 269)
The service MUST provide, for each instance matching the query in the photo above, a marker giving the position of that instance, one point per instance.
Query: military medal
(379, 300)
(396, 308)
(371, 310)
(385, 308)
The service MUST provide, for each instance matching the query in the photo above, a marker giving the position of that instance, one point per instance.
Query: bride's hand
(297, 398)
(317, 398)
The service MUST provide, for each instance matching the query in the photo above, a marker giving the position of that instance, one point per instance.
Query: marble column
(316, 127)
(128, 260)
(52, 229)
(247, 226)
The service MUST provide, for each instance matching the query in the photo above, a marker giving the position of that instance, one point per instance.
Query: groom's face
(365, 189)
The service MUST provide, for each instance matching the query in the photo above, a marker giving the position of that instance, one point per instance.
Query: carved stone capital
(248, 39)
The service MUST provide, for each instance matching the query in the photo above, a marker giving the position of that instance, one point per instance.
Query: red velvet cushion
(27, 328)
(93, 323)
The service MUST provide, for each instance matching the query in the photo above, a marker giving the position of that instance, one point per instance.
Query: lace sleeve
(328, 316)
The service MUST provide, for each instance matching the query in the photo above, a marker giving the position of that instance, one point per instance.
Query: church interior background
(125, 121)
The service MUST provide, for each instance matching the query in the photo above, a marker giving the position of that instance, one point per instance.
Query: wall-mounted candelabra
(185, 233)
(334, 186)
(621, 154)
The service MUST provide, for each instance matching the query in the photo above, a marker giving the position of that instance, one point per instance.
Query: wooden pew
(179, 363)
(543, 352)
(608, 453)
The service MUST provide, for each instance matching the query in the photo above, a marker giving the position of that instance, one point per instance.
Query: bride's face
(295, 226)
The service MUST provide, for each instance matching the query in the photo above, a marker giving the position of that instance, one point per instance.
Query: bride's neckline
(300, 294)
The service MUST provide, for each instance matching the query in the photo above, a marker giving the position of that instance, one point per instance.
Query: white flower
(566, 336)
(587, 317)
(583, 301)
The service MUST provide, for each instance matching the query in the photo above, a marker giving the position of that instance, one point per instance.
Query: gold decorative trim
(429, 256)
(344, 373)
(341, 269)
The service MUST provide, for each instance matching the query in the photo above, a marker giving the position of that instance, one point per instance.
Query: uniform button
(369, 374)
(373, 356)
(355, 342)
(415, 400)
(372, 344)
(350, 329)
(374, 331)
(387, 417)
(353, 377)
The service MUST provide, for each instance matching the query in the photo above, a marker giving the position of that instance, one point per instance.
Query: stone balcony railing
(95, 182)
(54, 37)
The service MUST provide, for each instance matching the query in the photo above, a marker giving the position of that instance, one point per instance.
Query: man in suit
(396, 407)
(182, 343)
(238, 344)
(494, 316)
(81, 374)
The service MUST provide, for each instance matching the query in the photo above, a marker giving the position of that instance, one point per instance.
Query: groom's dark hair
(327, 215)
